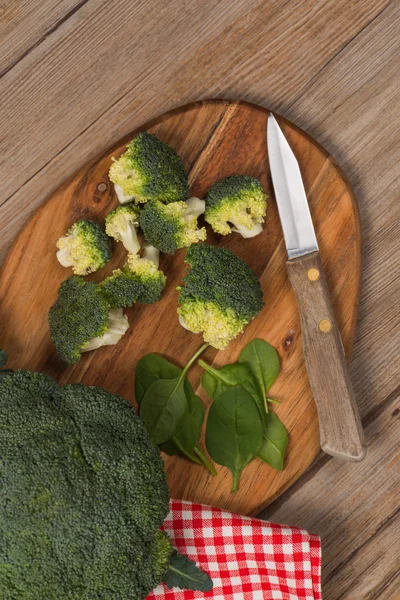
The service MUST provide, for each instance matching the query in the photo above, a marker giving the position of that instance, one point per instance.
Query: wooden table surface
(77, 75)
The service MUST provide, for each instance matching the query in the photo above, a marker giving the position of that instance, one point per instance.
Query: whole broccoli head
(85, 248)
(83, 495)
(172, 226)
(220, 296)
(149, 169)
(140, 280)
(238, 200)
(81, 319)
(121, 224)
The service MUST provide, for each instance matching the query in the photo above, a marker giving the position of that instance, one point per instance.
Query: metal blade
(291, 198)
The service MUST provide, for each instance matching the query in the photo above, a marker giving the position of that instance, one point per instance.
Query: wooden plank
(66, 133)
(25, 24)
(354, 507)
(359, 92)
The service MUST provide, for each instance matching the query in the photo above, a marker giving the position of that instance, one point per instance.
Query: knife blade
(339, 421)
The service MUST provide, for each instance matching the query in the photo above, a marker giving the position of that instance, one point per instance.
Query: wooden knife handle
(339, 421)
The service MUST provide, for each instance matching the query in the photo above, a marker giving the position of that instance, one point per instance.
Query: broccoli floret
(238, 200)
(140, 280)
(121, 224)
(85, 248)
(82, 320)
(83, 495)
(172, 226)
(220, 296)
(149, 169)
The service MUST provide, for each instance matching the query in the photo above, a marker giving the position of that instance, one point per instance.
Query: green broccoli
(121, 224)
(149, 169)
(172, 226)
(82, 319)
(220, 296)
(82, 498)
(83, 495)
(85, 248)
(239, 200)
(140, 280)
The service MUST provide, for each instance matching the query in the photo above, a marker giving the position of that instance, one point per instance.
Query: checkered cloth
(248, 559)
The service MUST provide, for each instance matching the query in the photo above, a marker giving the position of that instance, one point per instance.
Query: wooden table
(80, 74)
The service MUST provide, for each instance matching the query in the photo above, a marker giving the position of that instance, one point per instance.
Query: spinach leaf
(187, 436)
(163, 406)
(150, 368)
(216, 381)
(234, 430)
(275, 440)
(263, 360)
(185, 574)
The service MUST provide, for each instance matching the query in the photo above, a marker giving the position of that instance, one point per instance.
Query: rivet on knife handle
(340, 426)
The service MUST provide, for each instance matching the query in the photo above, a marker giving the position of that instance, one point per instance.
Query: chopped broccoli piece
(149, 169)
(85, 248)
(140, 280)
(172, 226)
(239, 200)
(82, 320)
(121, 224)
(83, 494)
(220, 296)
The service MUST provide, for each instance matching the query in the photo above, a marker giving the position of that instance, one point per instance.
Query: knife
(339, 421)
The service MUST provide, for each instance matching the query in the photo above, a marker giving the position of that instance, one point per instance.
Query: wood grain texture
(340, 428)
(330, 66)
(355, 509)
(97, 43)
(215, 139)
(26, 24)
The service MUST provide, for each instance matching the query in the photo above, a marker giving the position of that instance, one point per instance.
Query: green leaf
(185, 574)
(188, 433)
(150, 368)
(234, 430)
(210, 384)
(162, 408)
(187, 436)
(263, 360)
(275, 440)
(3, 358)
(153, 367)
(216, 381)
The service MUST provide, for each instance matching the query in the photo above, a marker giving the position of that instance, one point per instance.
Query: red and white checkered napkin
(248, 559)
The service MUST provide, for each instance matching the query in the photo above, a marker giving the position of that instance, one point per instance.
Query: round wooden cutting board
(215, 139)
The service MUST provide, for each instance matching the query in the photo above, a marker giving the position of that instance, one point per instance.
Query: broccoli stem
(122, 197)
(195, 207)
(116, 327)
(152, 253)
(182, 322)
(62, 257)
(247, 233)
(129, 238)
